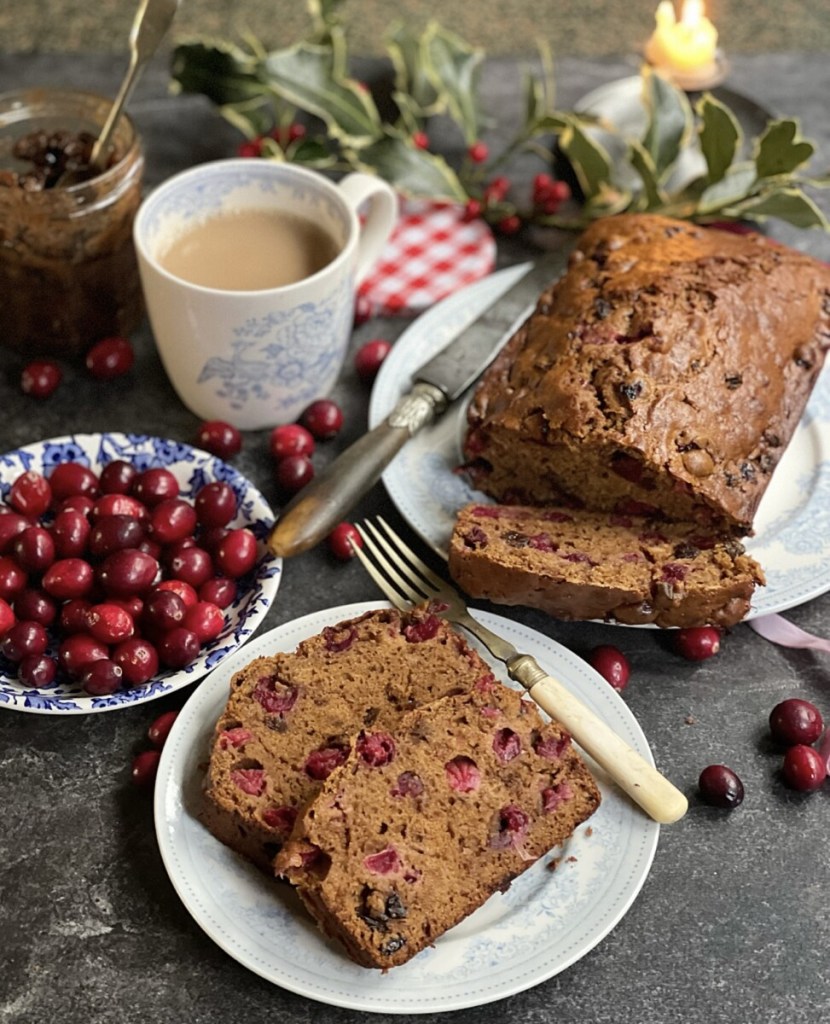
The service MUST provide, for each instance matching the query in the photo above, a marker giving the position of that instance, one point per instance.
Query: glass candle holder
(68, 274)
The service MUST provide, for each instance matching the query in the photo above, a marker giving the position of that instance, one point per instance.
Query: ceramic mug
(257, 358)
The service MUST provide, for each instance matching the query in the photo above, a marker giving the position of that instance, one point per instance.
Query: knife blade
(313, 513)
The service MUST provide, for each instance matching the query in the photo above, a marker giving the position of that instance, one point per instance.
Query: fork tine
(385, 585)
(416, 565)
(392, 577)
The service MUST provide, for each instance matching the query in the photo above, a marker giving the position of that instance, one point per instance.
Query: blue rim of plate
(544, 923)
(193, 468)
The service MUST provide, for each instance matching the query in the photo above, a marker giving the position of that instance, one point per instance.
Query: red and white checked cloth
(433, 252)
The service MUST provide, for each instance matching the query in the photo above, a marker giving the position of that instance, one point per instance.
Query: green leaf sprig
(435, 75)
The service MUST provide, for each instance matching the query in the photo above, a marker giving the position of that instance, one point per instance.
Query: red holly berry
(251, 148)
(510, 225)
(478, 152)
(472, 210)
(420, 140)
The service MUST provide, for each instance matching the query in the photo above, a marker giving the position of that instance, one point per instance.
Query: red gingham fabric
(432, 253)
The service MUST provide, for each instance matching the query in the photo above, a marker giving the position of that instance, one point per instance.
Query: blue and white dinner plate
(192, 468)
(792, 526)
(545, 922)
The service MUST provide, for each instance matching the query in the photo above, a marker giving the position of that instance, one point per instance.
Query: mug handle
(380, 218)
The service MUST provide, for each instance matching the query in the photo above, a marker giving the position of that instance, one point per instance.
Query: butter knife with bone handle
(322, 504)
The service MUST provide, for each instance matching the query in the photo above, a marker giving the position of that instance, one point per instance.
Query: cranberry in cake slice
(291, 718)
(575, 564)
(430, 816)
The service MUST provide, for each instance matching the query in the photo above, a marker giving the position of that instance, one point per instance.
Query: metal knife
(313, 513)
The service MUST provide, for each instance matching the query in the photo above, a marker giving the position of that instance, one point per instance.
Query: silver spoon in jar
(152, 20)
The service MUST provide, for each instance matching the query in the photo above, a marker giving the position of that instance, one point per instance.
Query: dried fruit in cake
(575, 564)
(290, 718)
(666, 371)
(427, 819)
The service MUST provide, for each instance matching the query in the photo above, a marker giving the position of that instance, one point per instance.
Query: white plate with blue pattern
(792, 526)
(192, 468)
(545, 922)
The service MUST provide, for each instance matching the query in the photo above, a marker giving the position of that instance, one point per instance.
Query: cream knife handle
(323, 503)
(658, 797)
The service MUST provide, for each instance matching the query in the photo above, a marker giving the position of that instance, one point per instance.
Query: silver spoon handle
(152, 20)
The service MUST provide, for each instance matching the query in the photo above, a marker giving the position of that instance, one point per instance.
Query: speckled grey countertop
(731, 924)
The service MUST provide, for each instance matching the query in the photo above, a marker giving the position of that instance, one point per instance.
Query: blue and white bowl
(192, 468)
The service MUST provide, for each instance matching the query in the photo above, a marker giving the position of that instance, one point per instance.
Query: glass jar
(68, 274)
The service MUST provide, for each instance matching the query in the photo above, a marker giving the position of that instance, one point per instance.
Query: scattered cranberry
(341, 541)
(110, 357)
(369, 357)
(611, 664)
(697, 643)
(795, 721)
(40, 378)
(362, 310)
(804, 769)
(294, 472)
(290, 439)
(219, 438)
(145, 767)
(478, 152)
(322, 418)
(720, 786)
(160, 728)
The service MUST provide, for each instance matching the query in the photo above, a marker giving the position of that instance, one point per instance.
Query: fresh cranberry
(697, 643)
(323, 419)
(72, 616)
(82, 503)
(171, 520)
(478, 152)
(34, 549)
(163, 610)
(370, 356)
(67, 578)
(160, 728)
(193, 565)
(720, 786)
(109, 358)
(30, 494)
(114, 533)
(119, 505)
(12, 523)
(70, 531)
(184, 590)
(7, 617)
(102, 677)
(12, 578)
(236, 555)
(109, 623)
(205, 620)
(35, 605)
(145, 768)
(804, 769)
(178, 647)
(219, 438)
(611, 664)
(155, 485)
(795, 721)
(341, 541)
(24, 638)
(117, 477)
(215, 504)
(290, 439)
(40, 378)
(221, 591)
(138, 660)
(294, 472)
(70, 478)
(77, 651)
(127, 572)
(37, 670)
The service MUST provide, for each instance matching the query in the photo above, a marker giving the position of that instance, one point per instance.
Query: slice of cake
(429, 817)
(290, 718)
(575, 564)
(666, 371)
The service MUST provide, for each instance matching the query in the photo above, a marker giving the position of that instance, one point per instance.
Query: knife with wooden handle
(313, 513)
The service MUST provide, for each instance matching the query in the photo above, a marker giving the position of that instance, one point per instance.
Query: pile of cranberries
(105, 578)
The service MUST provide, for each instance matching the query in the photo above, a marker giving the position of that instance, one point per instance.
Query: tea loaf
(575, 564)
(665, 372)
(432, 815)
(290, 718)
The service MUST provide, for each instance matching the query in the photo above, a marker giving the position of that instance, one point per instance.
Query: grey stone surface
(731, 926)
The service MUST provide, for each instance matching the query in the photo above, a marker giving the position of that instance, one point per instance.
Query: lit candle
(684, 47)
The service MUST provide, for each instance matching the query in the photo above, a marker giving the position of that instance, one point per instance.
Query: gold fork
(406, 580)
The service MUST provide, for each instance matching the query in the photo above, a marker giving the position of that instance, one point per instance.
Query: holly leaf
(733, 187)
(453, 68)
(412, 171)
(642, 162)
(670, 121)
(311, 77)
(720, 136)
(406, 52)
(787, 204)
(781, 150)
(253, 117)
(590, 161)
(220, 71)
